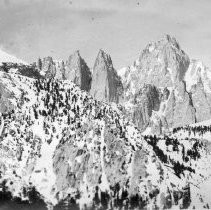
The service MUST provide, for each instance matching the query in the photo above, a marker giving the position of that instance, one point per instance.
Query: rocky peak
(103, 59)
(167, 39)
(77, 71)
(162, 63)
(106, 84)
(74, 58)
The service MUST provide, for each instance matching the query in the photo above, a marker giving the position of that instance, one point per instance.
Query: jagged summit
(162, 63)
(75, 57)
(106, 84)
(76, 70)
(77, 53)
(103, 58)
(164, 40)
(170, 39)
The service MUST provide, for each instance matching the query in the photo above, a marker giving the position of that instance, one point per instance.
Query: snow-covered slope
(72, 148)
(7, 58)
(200, 130)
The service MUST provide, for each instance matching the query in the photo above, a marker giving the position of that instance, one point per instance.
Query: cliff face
(201, 102)
(77, 71)
(179, 108)
(106, 84)
(6, 96)
(198, 82)
(141, 106)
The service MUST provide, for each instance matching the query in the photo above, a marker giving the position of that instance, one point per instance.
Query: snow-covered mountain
(65, 148)
(70, 147)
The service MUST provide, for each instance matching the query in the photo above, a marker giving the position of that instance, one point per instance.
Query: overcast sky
(33, 28)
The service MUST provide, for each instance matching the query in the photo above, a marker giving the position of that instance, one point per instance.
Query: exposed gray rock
(47, 67)
(106, 84)
(60, 70)
(166, 66)
(5, 96)
(162, 63)
(75, 167)
(179, 109)
(165, 94)
(201, 102)
(77, 71)
(146, 100)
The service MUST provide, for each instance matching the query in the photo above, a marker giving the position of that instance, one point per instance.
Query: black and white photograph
(105, 104)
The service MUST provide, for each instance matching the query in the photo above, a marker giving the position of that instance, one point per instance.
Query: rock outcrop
(106, 84)
(60, 70)
(6, 96)
(142, 104)
(77, 71)
(201, 102)
(179, 108)
(51, 69)
(197, 71)
(47, 67)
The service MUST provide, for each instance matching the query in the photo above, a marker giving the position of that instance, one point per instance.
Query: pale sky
(37, 28)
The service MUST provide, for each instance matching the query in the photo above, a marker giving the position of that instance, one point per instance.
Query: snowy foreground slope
(71, 148)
